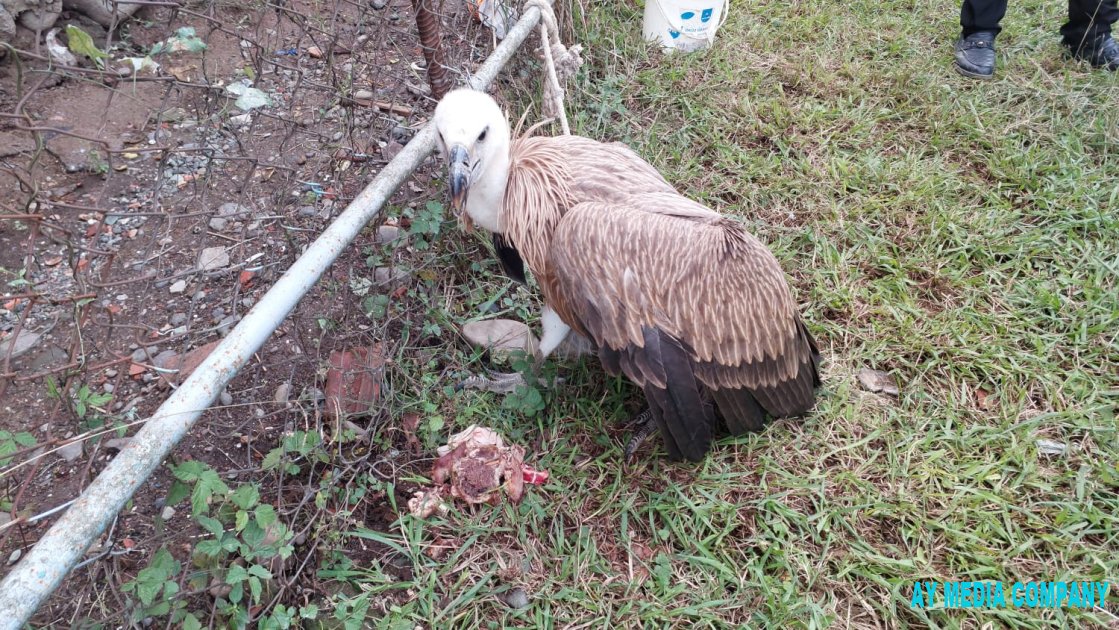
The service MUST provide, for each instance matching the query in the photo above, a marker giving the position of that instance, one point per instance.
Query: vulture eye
(482, 136)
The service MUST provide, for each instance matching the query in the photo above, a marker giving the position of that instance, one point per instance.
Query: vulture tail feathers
(739, 410)
(683, 416)
(510, 258)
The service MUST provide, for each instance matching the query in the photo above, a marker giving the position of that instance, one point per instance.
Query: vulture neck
(537, 194)
(484, 205)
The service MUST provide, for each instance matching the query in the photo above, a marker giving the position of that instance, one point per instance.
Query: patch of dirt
(112, 188)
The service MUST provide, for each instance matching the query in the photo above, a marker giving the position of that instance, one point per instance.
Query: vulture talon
(644, 426)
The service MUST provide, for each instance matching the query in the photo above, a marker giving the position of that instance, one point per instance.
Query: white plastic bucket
(684, 24)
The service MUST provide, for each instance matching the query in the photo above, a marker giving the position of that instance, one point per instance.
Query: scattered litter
(57, 51)
(877, 381)
(287, 52)
(248, 97)
(477, 465)
(496, 14)
(353, 382)
(1050, 447)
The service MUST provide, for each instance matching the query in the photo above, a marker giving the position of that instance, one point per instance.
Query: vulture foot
(500, 382)
(644, 426)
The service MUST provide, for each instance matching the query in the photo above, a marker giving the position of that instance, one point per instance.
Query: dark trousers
(1087, 19)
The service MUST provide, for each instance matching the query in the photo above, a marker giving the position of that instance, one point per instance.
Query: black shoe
(975, 55)
(1102, 52)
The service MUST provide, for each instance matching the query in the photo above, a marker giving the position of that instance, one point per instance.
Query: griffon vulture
(683, 301)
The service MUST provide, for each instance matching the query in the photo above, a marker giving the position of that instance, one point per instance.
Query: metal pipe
(32, 581)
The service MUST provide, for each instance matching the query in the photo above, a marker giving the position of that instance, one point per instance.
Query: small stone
(143, 355)
(364, 95)
(178, 287)
(378, 4)
(178, 319)
(218, 314)
(165, 358)
(877, 381)
(308, 211)
(283, 393)
(14, 558)
(500, 336)
(168, 513)
(110, 373)
(218, 224)
(401, 134)
(213, 258)
(117, 444)
(389, 275)
(387, 234)
(226, 398)
(233, 211)
(338, 135)
(227, 324)
(108, 387)
(71, 451)
(515, 598)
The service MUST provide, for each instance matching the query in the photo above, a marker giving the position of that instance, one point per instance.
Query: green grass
(963, 236)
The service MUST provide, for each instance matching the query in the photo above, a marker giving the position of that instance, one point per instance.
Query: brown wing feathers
(685, 302)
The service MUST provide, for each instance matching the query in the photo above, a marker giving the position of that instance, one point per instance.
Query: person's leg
(979, 24)
(1087, 34)
(982, 16)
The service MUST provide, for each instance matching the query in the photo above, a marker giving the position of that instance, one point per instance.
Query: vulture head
(474, 137)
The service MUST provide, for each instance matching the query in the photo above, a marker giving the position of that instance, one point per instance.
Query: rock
(401, 134)
(226, 398)
(116, 444)
(389, 275)
(227, 324)
(388, 234)
(378, 4)
(168, 513)
(353, 382)
(21, 344)
(213, 258)
(515, 598)
(164, 359)
(178, 319)
(70, 451)
(307, 211)
(178, 287)
(218, 224)
(110, 373)
(877, 381)
(233, 211)
(500, 336)
(108, 387)
(218, 314)
(283, 393)
(143, 355)
(364, 95)
(14, 558)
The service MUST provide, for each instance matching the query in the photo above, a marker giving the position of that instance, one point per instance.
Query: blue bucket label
(705, 15)
(674, 34)
(687, 15)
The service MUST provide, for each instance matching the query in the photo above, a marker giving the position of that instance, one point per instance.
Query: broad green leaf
(81, 43)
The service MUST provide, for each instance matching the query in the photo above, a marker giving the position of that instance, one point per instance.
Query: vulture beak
(459, 164)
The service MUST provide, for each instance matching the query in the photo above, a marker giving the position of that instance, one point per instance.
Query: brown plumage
(683, 301)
